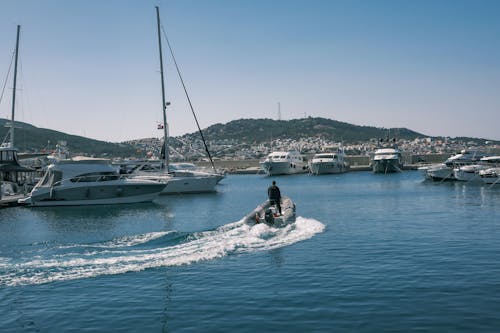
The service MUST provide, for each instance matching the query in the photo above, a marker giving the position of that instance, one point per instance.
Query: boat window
(6, 155)
(95, 177)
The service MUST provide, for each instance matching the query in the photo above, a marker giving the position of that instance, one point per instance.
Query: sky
(91, 67)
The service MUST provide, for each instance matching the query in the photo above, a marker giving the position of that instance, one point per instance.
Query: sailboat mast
(14, 90)
(164, 103)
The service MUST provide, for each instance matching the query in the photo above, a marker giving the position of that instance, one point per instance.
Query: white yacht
(181, 178)
(490, 176)
(445, 171)
(386, 160)
(178, 180)
(470, 173)
(325, 163)
(88, 181)
(284, 163)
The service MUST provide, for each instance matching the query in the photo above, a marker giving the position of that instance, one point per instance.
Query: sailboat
(12, 174)
(179, 180)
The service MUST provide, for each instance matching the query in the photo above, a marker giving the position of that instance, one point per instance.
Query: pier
(10, 200)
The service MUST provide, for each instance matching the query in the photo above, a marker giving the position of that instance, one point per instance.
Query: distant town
(416, 150)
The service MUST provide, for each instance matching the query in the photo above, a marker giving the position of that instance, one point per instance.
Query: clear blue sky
(90, 67)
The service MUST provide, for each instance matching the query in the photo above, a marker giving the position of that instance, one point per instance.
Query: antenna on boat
(164, 103)
(14, 90)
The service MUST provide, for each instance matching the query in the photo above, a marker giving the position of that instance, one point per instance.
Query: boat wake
(159, 249)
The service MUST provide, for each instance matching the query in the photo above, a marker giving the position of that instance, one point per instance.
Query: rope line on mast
(7, 77)
(188, 98)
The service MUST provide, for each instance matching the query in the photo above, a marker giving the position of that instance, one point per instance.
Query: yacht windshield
(95, 177)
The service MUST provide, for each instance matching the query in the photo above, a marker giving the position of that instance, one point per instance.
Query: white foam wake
(234, 238)
(125, 241)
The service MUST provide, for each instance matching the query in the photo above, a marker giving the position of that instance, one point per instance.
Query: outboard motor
(269, 216)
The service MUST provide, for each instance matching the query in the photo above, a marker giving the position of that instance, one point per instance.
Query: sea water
(367, 253)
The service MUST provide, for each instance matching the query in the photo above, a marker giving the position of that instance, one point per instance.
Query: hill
(239, 133)
(29, 138)
(262, 130)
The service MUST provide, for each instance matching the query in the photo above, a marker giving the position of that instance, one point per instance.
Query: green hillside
(261, 130)
(29, 138)
(243, 131)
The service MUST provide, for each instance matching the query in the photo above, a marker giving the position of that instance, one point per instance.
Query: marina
(367, 252)
(367, 203)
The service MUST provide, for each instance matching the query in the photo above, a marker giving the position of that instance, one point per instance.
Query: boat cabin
(12, 174)
(289, 156)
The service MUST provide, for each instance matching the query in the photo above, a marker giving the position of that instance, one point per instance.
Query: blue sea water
(368, 253)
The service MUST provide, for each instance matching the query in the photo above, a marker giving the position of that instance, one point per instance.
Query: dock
(10, 200)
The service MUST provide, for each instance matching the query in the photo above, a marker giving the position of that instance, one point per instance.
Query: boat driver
(274, 194)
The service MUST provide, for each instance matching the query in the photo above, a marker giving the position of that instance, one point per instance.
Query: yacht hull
(322, 168)
(386, 166)
(273, 168)
(186, 184)
(93, 195)
(441, 173)
(179, 185)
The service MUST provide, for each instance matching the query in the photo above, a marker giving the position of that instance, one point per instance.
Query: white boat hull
(490, 176)
(94, 195)
(386, 166)
(187, 184)
(322, 168)
(441, 173)
(468, 173)
(258, 214)
(179, 185)
(273, 168)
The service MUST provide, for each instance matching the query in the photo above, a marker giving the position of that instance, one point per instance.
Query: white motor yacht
(445, 171)
(470, 172)
(284, 163)
(326, 163)
(490, 176)
(387, 160)
(88, 181)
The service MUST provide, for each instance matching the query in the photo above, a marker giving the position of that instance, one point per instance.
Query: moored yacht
(387, 160)
(181, 178)
(89, 181)
(490, 176)
(445, 171)
(470, 172)
(326, 163)
(284, 163)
